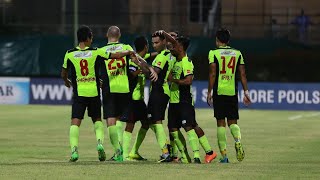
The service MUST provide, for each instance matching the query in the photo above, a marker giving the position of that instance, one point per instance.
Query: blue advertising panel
(280, 96)
(49, 91)
(14, 90)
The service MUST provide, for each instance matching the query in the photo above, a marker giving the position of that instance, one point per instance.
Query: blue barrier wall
(277, 96)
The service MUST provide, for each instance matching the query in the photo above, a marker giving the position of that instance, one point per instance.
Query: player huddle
(120, 73)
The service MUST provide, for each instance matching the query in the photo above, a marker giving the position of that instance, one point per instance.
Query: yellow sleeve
(101, 52)
(65, 61)
(211, 56)
(128, 47)
(241, 59)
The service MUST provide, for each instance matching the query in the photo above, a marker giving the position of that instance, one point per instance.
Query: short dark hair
(140, 42)
(83, 33)
(184, 41)
(156, 34)
(223, 35)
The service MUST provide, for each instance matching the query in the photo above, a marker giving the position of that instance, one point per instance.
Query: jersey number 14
(231, 64)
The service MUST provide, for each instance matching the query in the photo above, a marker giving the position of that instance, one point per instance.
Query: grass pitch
(34, 144)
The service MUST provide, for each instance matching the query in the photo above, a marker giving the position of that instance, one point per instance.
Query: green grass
(34, 144)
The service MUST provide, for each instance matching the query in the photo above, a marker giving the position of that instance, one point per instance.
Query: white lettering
(316, 97)
(55, 92)
(307, 100)
(299, 97)
(204, 95)
(270, 96)
(281, 95)
(290, 97)
(262, 96)
(254, 96)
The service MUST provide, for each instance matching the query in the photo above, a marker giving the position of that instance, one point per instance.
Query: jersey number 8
(84, 67)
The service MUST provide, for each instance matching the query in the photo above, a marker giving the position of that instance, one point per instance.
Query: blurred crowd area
(245, 18)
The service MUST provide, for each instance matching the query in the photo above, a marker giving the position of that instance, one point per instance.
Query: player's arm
(186, 81)
(146, 69)
(212, 78)
(168, 37)
(121, 54)
(135, 72)
(159, 63)
(64, 75)
(153, 55)
(243, 78)
(64, 71)
(187, 70)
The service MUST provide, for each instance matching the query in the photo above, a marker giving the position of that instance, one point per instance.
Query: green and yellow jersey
(227, 60)
(84, 66)
(137, 83)
(164, 63)
(181, 93)
(115, 71)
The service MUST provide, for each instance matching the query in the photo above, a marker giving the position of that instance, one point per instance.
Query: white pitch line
(313, 115)
(295, 117)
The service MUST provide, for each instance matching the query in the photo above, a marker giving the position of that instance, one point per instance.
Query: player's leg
(140, 113)
(157, 113)
(173, 148)
(210, 154)
(134, 154)
(119, 125)
(111, 116)
(94, 111)
(235, 131)
(232, 118)
(174, 124)
(222, 140)
(78, 110)
(127, 134)
(220, 115)
(188, 122)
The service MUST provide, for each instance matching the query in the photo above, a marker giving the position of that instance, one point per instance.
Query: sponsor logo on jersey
(85, 79)
(228, 53)
(114, 48)
(83, 54)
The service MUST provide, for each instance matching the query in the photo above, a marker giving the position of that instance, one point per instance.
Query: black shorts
(157, 106)
(181, 115)
(80, 104)
(115, 104)
(226, 107)
(137, 111)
